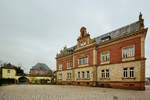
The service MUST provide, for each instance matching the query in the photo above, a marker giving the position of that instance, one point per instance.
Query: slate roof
(133, 27)
(41, 66)
(120, 32)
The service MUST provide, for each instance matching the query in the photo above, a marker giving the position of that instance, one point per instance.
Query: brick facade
(115, 59)
(35, 72)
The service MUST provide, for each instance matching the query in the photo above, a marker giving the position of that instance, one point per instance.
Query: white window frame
(8, 71)
(128, 51)
(59, 66)
(105, 56)
(83, 75)
(86, 60)
(125, 53)
(88, 74)
(125, 72)
(131, 51)
(107, 73)
(69, 64)
(132, 72)
(102, 73)
(102, 57)
(83, 60)
(79, 75)
(60, 76)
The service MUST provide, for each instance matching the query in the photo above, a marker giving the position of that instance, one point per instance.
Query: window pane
(86, 60)
(83, 75)
(125, 73)
(102, 74)
(107, 73)
(131, 72)
(102, 57)
(131, 51)
(88, 75)
(78, 74)
(124, 53)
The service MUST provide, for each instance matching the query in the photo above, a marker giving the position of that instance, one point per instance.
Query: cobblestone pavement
(66, 92)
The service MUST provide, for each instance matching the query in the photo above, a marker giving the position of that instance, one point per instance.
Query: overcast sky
(34, 31)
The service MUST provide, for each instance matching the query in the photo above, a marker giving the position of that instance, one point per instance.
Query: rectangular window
(8, 71)
(60, 76)
(131, 52)
(124, 53)
(105, 56)
(128, 52)
(107, 73)
(86, 60)
(131, 72)
(103, 74)
(83, 75)
(83, 60)
(102, 57)
(80, 61)
(68, 75)
(88, 75)
(125, 72)
(69, 64)
(78, 75)
(60, 66)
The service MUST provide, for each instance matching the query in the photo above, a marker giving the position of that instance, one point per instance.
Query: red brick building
(115, 59)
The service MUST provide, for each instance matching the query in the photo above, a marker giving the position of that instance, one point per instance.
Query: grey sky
(34, 31)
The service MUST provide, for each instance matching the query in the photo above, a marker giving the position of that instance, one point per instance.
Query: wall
(116, 50)
(116, 71)
(12, 73)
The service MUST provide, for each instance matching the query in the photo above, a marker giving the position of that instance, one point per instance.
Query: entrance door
(23, 80)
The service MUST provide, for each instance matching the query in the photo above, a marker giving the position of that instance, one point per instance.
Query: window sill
(105, 62)
(128, 58)
(69, 67)
(104, 78)
(68, 79)
(123, 78)
(83, 65)
(83, 78)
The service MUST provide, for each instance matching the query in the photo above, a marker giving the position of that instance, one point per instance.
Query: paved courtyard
(66, 92)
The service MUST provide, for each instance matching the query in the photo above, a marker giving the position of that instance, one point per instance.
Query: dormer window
(105, 38)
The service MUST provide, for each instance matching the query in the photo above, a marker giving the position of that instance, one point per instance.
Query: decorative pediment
(84, 38)
(83, 33)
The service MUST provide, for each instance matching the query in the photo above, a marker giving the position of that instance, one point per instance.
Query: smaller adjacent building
(40, 69)
(40, 74)
(10, 74)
